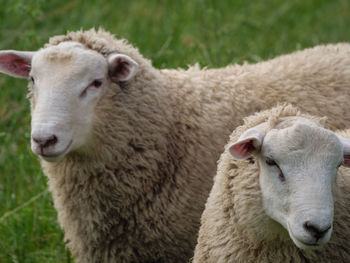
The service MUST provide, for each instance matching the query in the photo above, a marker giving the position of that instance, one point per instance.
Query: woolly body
(135, 193)
(235, 226)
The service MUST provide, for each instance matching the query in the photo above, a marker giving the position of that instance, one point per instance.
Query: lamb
(275, 191)
(130, 151)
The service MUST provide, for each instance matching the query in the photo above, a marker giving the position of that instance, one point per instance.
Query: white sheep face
(67, 82)
(298, 164)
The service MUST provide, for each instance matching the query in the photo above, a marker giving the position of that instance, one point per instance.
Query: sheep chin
(302, 245)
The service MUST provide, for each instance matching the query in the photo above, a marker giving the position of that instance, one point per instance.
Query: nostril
(314, 230)
(45, 142)
(52, 140)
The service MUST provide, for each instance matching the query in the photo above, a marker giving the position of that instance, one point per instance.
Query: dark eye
(96, 83)
(270, 162)
(32, 79)
(281, 176)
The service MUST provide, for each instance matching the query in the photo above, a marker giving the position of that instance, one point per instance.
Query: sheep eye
(32, 79)
(96, 83)
(270, 162)
(281, 176)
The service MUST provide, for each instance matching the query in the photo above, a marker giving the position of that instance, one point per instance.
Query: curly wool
(137, 191)
(235, 227)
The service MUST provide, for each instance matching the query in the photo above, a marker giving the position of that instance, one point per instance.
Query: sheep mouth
(306, 245)
(311, 245)
(302, 244)
(56, 156)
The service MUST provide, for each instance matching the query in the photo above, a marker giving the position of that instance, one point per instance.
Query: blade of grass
(31, 200)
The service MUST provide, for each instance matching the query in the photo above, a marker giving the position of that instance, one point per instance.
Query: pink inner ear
(122, 69)
(242, 150)
(15, 65)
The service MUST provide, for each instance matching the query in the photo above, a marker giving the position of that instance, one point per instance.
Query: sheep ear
(346, 150)
(121, 67)
(249, 142)
(16, 63)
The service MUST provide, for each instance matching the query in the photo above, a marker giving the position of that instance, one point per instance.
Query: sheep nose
(45, 142)
(316, 231)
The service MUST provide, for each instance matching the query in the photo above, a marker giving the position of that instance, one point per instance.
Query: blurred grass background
(173, 33)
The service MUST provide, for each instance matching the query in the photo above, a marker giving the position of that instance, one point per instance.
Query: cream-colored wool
(235, 227)
(136, 193)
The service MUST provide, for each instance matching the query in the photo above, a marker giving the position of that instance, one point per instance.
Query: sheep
(272, 200)
(130, 151)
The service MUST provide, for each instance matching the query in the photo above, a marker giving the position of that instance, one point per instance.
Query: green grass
(171, 33)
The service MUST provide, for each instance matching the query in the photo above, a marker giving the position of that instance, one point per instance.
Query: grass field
(171, 33)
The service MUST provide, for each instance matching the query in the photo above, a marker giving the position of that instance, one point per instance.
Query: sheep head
(66, 83)
(298, 162)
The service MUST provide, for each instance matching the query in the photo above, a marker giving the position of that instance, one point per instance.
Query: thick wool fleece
(137, 191)
(235, 227)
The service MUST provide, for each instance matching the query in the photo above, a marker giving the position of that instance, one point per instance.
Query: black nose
(45, 142)
(316, 231)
